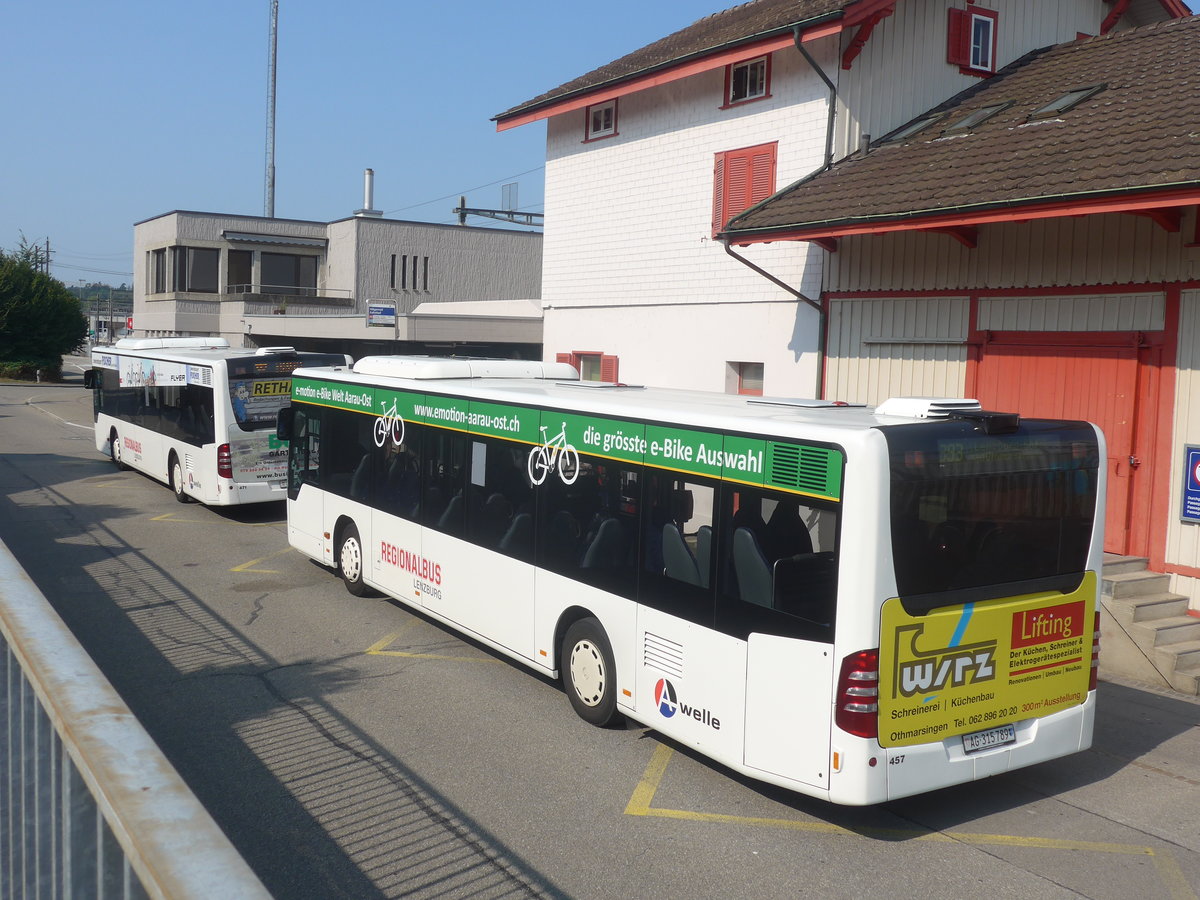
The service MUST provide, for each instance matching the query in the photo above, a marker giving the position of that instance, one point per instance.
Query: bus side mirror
(283, 425)
(90, 379)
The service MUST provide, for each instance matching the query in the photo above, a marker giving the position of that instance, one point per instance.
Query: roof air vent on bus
(925, 407)
(269, 351)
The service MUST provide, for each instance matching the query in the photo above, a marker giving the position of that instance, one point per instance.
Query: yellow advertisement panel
(973, 667)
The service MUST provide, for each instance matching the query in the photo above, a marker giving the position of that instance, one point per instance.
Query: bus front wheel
(588, 672)
(114, 450)
(350, 561)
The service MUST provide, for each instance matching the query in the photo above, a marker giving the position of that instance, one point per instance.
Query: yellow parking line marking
(249, 566)
(643, 796)
(379, 649)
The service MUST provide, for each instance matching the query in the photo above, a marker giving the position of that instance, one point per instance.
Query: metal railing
(89, 806)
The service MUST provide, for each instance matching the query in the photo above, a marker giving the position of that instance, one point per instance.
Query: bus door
(689, 674)
(476, 493)
(306, 501)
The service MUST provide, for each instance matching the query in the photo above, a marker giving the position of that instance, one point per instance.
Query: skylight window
(912, 128)
(976, 118)
(1067, 101)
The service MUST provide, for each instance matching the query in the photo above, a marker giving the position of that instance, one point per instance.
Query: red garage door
(1071, 375)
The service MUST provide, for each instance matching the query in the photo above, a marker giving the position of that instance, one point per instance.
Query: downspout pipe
(815, 304)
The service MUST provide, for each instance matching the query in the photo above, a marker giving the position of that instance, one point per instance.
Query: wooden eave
(1161, 205)
(864, 13)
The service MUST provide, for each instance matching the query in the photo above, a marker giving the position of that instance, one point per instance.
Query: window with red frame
(600, 121)
(592, 365)
(742, 178)
(748, 80)
(971, 40)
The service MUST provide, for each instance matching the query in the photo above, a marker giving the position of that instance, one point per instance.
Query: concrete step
(1146, 609)
(1174, 630)
(1115, 564)
(1120, 585)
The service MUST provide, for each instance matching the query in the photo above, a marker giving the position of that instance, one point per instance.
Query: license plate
(986, 740)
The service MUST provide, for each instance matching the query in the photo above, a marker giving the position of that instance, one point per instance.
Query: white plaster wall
(629, 230)
(691, 347)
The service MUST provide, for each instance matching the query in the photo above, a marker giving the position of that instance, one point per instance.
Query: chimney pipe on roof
(368, 196)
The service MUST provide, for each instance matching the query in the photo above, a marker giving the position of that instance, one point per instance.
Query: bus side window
(677, 558)
(444, 481)
(500, 508)
(778, 564)
(346, 454)
(400, 475)
(588, 530)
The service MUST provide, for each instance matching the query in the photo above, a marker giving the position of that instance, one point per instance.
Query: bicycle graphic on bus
(544, 457)
(390, 421)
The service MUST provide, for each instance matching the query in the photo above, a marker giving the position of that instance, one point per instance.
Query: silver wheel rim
(177, 477)
(351, 560)
(587, 673)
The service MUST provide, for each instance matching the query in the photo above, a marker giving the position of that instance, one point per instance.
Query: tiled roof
(741, 24)
(1140, 133)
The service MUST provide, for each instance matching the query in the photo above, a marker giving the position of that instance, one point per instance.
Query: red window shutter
(609, 368)
(719, 193)
(741, 179)
(958, 40)
(564, 357)
(762, 174)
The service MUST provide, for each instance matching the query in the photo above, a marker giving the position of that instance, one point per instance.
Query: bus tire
(114, 450)
(175, 477)
(350, 561)
(589, 674)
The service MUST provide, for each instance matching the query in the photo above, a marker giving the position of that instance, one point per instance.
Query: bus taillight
(1093, 677)
(224, 462)
(857, 699)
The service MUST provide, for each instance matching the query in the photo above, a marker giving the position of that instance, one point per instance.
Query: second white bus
(197, 414)
(856, 604)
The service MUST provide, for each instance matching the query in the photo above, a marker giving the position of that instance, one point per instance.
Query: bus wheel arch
(349, 556)
(175, 477)
(114, 449)
(587, 667)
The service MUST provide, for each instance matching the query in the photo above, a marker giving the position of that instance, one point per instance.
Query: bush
(40, 320)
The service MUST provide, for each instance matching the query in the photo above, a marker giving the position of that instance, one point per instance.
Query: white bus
(196, 414)
(856, 604)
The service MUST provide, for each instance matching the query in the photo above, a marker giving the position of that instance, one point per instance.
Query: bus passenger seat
(518, 540)
(360, 479)
(607, 549)
(753, 572)
(678, 559)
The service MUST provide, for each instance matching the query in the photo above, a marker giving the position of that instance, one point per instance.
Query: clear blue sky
(118, 112)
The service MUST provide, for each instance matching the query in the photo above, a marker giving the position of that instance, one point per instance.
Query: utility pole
(46, 264)
(269, 205)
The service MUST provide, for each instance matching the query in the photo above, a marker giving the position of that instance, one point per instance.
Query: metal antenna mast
(269, 204)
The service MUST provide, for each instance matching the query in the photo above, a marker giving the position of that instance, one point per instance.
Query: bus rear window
(977, 516)
(257, 401)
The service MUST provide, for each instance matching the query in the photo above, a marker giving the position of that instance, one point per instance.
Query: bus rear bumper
(913, 770)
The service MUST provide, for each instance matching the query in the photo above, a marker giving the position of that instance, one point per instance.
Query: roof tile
(1140, 132)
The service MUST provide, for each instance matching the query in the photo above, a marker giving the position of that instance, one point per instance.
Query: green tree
(39, 320)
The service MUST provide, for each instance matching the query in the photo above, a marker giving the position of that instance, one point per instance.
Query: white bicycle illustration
(389, 422)
(551, 452)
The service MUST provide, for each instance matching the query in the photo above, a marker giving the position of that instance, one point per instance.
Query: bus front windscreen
(977, 516)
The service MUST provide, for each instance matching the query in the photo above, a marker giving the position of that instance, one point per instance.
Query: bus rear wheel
(588, 672)
(175, 474)
(350, 561)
